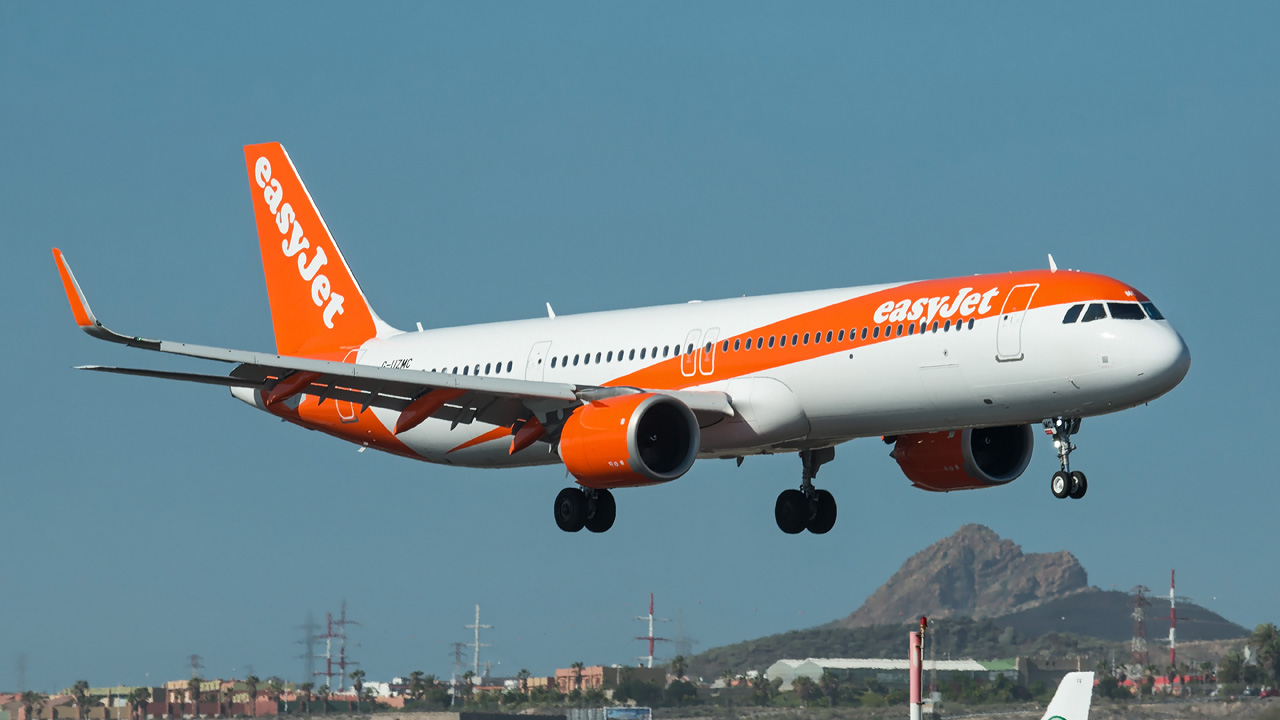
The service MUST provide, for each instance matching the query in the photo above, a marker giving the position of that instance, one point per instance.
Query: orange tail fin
(317, 307)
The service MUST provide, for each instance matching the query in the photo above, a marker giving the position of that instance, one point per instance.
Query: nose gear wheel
(1065, 483)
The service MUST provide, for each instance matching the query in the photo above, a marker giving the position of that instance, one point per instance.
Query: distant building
(600, 677)
(890, 672)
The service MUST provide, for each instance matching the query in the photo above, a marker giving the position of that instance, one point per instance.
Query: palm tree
(830, 686)
(33, 701)
(1266, 638)
(80, 691)
(805, 688)
(251, 683)
(138, 699)
(416, 687)
(323, 694)
(523, 677)
(357, 681)
(193, 690)
(577, 674)
(304, 691)
(228, 694)
(729, 677)
(678, 666)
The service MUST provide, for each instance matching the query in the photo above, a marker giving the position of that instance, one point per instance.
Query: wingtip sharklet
(75, 296)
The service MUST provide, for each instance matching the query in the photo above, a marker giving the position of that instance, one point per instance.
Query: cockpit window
(1126, 311)
(1152, 312)
(1095, 312)
(1073, 314)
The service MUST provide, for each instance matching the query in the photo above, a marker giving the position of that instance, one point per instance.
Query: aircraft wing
(499, 401)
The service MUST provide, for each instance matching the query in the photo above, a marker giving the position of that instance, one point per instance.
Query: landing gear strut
(590, 508)
(807, 508)
(1065, 483)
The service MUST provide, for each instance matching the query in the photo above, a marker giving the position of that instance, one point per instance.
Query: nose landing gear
(807, 508)
(1066, 483)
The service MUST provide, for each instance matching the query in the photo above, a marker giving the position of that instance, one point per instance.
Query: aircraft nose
(1167, 359)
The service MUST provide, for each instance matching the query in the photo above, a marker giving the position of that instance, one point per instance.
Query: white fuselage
(998, 371)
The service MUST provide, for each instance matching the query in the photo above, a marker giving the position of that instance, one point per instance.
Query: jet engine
(964, 459)
(629, 440)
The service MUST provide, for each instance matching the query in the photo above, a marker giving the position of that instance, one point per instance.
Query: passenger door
(537, 365)
(689, 360)
(1009, 329)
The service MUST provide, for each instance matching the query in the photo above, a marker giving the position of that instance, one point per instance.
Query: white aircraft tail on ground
(1073, 698)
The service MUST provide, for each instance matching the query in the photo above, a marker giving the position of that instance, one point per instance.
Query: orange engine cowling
(629, 440)
(964, 459)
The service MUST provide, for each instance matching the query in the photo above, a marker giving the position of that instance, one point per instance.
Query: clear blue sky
(475, 161)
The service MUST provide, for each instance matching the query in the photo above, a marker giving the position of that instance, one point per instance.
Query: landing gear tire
(791, 511)
(1078, 485)
(601, 517)
(571, 510)
(824, 515)
(1061, 484)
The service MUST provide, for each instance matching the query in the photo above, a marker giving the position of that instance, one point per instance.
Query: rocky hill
(972, 573)
(993, 601)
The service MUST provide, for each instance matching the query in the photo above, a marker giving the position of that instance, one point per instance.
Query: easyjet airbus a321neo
(953, 373)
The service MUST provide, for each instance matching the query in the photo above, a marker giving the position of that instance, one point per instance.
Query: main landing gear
(578, 508)
(1065, 483)
(807, 508)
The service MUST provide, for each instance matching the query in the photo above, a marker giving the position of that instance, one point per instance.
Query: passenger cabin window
(782, 341)
(598, 358)
(864, 333)
(737, 344)
(1152, 312)
(840, 337)
(1126, 311)
(553, 362)
(1073, 314)
(487, 366)
(747, 345)
(1095, 312)
(875, 333)
(771, 337)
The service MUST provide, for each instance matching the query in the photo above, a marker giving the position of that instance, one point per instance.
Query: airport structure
(890, 672)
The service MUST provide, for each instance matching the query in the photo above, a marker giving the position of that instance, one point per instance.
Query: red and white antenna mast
(1173, 626)
(650, 637)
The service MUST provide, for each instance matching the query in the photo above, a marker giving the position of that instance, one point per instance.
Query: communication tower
(308, 643)
(476, 645)
(682, 644)
(1138, 646)
(195, 665)
(336, 630)
(650, 637)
